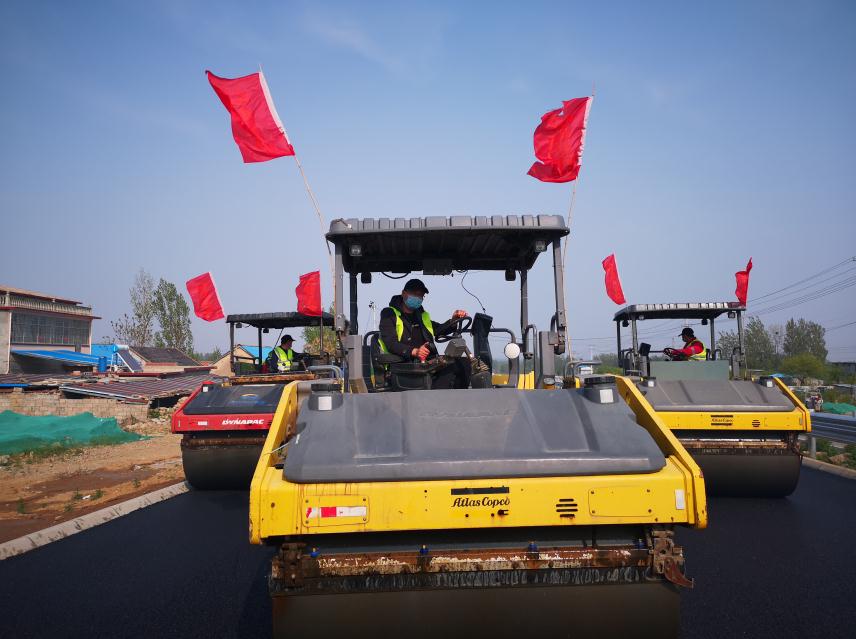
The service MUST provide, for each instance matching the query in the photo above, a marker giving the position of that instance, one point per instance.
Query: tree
(726, 343)
(311, 338)
(777, 334)
(173, 315)
(760, 348)
(804, 365)
(137, 329)
(802, 336)
(213, 356)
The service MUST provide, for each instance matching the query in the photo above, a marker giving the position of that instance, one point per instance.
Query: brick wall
(53, 403)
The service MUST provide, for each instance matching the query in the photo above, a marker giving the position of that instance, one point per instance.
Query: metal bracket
(667, 559)
(287, 564)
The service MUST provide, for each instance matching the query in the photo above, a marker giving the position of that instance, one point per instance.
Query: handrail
(327, 368)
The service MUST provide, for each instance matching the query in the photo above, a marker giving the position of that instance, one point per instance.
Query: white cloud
(345, 34)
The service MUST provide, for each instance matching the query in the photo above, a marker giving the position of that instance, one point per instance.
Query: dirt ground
(36, 493)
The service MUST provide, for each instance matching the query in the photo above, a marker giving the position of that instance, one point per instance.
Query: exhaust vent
(756, 423)
(566, 508)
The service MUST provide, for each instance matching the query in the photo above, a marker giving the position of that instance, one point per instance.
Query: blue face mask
(413, 303)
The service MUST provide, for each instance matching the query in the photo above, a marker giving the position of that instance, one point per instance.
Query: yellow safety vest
(399, 327)
(283, 358)
(698, 356)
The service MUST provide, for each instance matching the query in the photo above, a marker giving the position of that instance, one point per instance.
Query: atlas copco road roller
(501, 509)
(224, 424)
(743, 433)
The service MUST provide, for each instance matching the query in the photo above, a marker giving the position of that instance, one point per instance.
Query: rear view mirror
(512, 351)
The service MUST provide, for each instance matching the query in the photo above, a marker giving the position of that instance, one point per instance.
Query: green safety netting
(838, 408)
(21, 433)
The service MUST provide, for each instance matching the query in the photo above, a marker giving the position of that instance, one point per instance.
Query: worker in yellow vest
(282, 358)
(407, 330)
(693, 348)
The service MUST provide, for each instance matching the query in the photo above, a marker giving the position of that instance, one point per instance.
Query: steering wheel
(673, 354)
(461, 325)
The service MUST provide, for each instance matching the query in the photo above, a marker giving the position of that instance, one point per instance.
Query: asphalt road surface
(183, 568)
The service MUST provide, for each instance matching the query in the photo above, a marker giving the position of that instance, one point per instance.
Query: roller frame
(493, 591)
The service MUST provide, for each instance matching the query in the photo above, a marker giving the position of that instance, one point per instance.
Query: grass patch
(98, 494)
(76, 496)
(68, 507)
(21, 507)
(137, 483)
(56, 450)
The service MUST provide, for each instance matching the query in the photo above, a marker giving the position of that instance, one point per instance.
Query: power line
(808, 297)
(835, 328)
(807, 279)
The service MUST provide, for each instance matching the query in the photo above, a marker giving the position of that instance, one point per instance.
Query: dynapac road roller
(223, 425)
(495, 511)
(742, 432)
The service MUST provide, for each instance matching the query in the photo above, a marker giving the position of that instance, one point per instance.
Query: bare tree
(137, 329)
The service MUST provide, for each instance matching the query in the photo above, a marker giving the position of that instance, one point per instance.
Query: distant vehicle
(743, 433)
(224, 424)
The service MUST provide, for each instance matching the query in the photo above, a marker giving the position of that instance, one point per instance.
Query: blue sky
(717, 133)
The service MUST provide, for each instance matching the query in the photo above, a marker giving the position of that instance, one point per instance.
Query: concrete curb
(85, 522)
(829, 468)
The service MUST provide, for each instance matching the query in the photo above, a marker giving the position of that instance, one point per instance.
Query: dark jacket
(414, 334)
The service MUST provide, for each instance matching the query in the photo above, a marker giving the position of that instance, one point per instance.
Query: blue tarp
(68, 357)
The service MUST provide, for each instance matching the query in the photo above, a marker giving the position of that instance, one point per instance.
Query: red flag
(309, 294)
(559, 141)
(612, 281)
(257, 129)
(206, 301)
(742, 278)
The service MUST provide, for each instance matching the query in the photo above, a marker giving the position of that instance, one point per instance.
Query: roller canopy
(438, 245)
(682, 310)
(452, 434)
(279, 320)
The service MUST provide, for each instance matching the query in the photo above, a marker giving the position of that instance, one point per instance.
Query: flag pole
(573, 198)
(311, 195)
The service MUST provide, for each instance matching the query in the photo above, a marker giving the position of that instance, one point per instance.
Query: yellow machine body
(673, 495)
(798, 420)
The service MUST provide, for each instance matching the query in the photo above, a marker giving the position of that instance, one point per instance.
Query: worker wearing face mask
(407, 330)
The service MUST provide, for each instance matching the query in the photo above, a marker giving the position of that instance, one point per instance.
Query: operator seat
(480, 331)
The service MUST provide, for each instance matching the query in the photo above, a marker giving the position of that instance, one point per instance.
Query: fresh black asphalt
(184, 568)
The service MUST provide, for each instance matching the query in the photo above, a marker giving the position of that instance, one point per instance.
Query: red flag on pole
(559, 141)
(206, 301)
(612, 281)
(256, 127)
(309, 294)
(742, 278)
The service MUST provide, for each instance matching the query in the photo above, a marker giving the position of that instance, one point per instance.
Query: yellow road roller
(493, 510)
(742, 432)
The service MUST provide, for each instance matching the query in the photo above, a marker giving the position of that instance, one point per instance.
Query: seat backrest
(481, 331)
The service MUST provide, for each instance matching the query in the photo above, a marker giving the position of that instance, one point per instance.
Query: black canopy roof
(681, 310)
(437, 245)
(279, 320)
